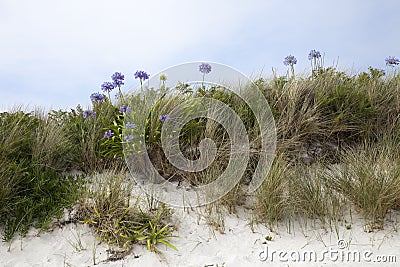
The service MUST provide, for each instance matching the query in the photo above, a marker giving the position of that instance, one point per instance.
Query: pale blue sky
(54, 54)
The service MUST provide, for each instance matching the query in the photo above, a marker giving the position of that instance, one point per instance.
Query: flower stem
(120, 94)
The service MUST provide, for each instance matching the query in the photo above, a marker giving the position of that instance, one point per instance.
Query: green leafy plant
(112, 146)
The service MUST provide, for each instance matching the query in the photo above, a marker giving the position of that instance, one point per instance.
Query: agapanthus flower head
(163, 77)
(290, 60)
(142, 75)
(163, 117)
(96, 97)
(392, 61)
(107, 87)
(129, 125)
(124, 109)
(127, 138)
(118, 79)
(314, 54)
(89, 114)
(108, 134)
(205, 68)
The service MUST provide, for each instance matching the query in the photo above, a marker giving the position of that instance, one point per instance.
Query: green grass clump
(296, 190)
(272, 196)
(311, 195)
(369, 177)
(33, 154)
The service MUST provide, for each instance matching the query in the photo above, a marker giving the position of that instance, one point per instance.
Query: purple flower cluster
(392, 61)
(163, 117)
(314, 54)
(127, 138)
(118, 79)
(205, 68)
(129, 125)
(142, 75)
(290, 60)
(107, 87)
(89, 114)
(108, 134)
(96, 97)
(125, 109)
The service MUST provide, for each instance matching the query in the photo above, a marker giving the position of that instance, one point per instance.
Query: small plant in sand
(107, 207)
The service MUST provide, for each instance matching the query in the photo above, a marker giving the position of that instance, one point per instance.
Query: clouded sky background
(54, 54)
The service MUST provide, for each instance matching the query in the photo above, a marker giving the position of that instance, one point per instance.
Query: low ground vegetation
(337, 148)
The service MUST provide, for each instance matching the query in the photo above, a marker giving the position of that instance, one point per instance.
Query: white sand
(199, 245)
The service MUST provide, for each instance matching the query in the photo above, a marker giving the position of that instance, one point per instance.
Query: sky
(54, 54)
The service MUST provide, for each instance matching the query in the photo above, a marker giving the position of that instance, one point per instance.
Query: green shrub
(87, 134)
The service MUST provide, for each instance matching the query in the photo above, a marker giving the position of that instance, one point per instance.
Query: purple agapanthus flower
(314, 54)
(127, 138)
(392, 61)
(163, 117)
(89, 114)
(129, 125)
(142, 75)
(107, 87)
(108, 134)
(290, 60)
(205, 68)
(118, 79)
(96, 97)
(125, 109)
